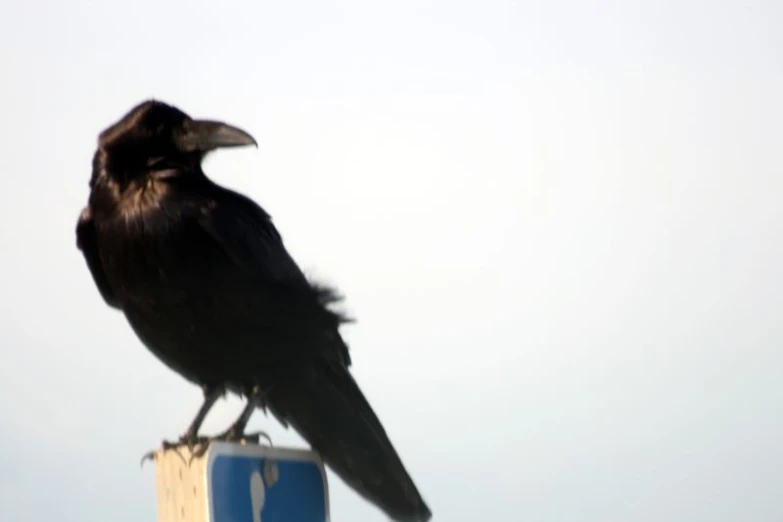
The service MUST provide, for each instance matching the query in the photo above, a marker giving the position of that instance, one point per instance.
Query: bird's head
(156, 137)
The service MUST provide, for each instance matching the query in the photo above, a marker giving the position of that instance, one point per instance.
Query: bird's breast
(153, 254)
(161, 269)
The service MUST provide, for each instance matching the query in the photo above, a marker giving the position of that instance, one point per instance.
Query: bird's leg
(190, 437)
(237, 430)
(236, 433)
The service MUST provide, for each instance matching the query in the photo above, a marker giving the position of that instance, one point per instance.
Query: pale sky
(557, 223)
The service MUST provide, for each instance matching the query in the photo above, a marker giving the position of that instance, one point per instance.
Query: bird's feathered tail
(325, 405)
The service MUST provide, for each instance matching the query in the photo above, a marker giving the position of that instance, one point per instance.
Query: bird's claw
(191, 441)
(200, 451)
(228, 436)
(150, 455)
(233, 436)
(255, 437)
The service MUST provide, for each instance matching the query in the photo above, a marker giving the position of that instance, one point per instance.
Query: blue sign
(249, 483)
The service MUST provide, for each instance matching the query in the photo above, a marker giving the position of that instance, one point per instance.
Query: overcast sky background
(557, 223)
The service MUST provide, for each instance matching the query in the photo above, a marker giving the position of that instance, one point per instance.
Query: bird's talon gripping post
(200, 452)
(192, 444)
(165, 446)
(150, 455)
(255, 438)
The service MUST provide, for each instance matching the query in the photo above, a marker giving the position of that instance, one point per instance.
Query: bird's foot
(255, 437)
(230, 435)
(191, 440)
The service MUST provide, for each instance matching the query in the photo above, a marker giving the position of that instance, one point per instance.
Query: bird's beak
(206, 135)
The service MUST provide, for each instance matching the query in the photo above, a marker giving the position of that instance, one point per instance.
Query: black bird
(202, 276)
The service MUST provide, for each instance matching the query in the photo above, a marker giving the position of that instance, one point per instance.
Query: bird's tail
(325, 405)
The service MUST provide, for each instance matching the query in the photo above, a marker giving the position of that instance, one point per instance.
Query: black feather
(325, 405)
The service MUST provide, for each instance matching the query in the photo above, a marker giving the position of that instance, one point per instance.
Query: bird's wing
(318, 397)
(246, 234)
(261, 265)
(86, 240)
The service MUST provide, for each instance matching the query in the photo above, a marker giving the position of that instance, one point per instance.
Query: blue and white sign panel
(262, 484)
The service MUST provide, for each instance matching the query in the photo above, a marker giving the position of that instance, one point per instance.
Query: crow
(203, 278)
